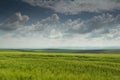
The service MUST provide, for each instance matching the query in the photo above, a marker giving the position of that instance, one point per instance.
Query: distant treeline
(64, 50)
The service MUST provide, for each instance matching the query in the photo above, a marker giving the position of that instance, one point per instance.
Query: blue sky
(59, 23)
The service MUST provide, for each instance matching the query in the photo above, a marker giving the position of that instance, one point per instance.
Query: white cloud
(77, 6)
(51, 27)
(55, 34)
(50, 20)
(37, 42)
(104, 22)
(50, 32)
(13, 22)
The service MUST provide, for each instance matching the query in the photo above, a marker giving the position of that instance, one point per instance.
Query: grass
(20, 65)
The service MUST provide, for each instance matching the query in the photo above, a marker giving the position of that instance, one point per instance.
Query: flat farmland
(23, 65)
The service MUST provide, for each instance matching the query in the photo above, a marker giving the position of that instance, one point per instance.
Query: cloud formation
(50, 31)
(13, 22)
(76, 6)
(52, 27)
(104, 22)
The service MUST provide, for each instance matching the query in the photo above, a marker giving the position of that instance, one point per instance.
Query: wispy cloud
(76, 6)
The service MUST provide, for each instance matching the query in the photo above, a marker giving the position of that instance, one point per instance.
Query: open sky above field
(59, 23)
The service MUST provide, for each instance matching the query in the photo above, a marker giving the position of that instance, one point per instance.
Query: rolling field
(21, 65)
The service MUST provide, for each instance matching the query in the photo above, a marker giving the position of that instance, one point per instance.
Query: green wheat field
(43, 65)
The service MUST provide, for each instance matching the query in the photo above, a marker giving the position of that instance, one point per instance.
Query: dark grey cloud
(76, 6)
(13, 22)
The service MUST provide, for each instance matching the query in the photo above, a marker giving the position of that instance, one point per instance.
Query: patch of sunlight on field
(19, 65)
